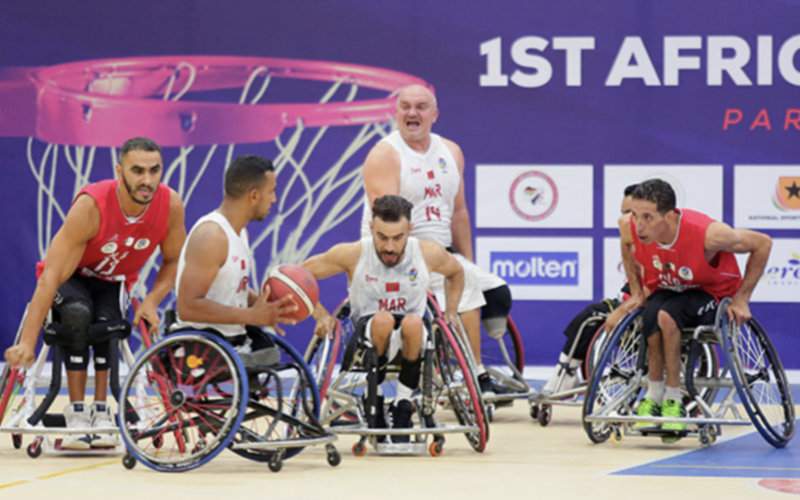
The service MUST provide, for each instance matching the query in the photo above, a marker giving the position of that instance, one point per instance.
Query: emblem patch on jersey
(392, 287)
(443, 165)
(685, 273)
(129, 241)
(669, 266)
(412, 275)
(109, 247)
(142, 244)
(431, 174)
(657, 263)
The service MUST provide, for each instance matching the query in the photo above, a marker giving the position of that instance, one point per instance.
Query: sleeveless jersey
(682, 265)
(430, 181)
(400, 289)
(230, 286)
(122, 244)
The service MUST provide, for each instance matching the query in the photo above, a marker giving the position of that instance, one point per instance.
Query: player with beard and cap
(388, 277)
(109, 233)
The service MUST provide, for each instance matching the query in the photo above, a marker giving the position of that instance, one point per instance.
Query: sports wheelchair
(348, 378)
(190, 395)
(592, 331)
(752, 378)
(24, 410)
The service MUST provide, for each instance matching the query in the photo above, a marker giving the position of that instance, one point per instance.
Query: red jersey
(122, 244)
(682, 265)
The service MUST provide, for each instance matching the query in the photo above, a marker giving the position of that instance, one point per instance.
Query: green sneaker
(672, 408)
(647, 408)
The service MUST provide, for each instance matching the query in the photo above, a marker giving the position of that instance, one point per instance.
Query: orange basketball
(296, 281)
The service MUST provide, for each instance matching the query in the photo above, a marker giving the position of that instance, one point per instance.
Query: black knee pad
(103, 331)
(100, 354)
(494, 314)
(75, 313)
(69, 337)
(76, 359)
(409, 372)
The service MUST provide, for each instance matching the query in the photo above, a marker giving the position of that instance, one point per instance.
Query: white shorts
(395, 339)
(476, 281)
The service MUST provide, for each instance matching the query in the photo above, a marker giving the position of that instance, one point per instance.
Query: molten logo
(536, 268)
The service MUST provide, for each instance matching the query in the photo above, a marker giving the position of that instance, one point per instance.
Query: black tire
(615, 383)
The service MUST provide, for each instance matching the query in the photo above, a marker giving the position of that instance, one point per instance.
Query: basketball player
(110, 231)
(388, 274)
(214, 291)
(687, 266)
(427, 170)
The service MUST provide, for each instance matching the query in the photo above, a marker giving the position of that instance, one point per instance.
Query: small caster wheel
(435, 449)
(129, 461)
(545, 415)
(34, 450)
(16, 440)
(616, 436)
(334, 458)
(275, 462)
(535, 412)
(359, 449)
(705, 440)
(490, 412)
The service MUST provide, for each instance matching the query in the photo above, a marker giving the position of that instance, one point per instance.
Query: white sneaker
(77, 416)
(561, 380)
(101, 417)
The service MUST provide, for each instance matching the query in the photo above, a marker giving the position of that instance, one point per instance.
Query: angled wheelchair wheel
(321, 357)
(760, 380)
(455, 380)
(182, 401)
(283, 405)
(596, 327)
(700, 364)
(616, 382)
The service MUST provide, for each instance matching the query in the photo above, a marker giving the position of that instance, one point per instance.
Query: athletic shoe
(647, 408)
(102, 418)
(401, 412)
(563, 379)
(77, 417)
(489, 388)
(674, 409)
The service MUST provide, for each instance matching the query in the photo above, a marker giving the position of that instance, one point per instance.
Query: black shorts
(105, 300)
(689, 309)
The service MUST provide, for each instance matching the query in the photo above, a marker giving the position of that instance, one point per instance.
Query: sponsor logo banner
(780, 281)
(540, 268)
(533, 196)
(697, 187)
(766, 197)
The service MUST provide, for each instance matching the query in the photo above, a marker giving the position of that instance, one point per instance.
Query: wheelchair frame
(752, 370)
(447, 380)
(189, 396)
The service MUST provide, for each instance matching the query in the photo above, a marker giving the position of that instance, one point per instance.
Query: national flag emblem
(431, 174)
(392, 287)
(787, 194)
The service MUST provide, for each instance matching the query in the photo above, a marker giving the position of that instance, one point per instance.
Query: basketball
(297, 281)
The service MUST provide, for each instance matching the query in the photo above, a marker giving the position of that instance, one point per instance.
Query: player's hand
(20, 355)
(633, 303)
(325, 326)
(268, 313)
(739, 311)
(451, 318)
(148, 312)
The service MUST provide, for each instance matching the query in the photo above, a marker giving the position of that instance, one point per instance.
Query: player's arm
(632, 273)
(66, 249)
(341, 258)
(460, 226)
(720, 237)
(206, 252)
(441, 261)
(170, 252)
(381, 172)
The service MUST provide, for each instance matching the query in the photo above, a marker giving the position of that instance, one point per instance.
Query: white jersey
(430, 181)
(230, 285)
(400, 289)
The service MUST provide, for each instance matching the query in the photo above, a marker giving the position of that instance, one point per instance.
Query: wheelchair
(541, 404)
(190, 395)
(503, 357)
(24, 410)
(749, 387)
(346, 367)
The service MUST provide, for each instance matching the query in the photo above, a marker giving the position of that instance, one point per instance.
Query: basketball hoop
(212, 108)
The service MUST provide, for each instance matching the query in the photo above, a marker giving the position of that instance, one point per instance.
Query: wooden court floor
(522, 460)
